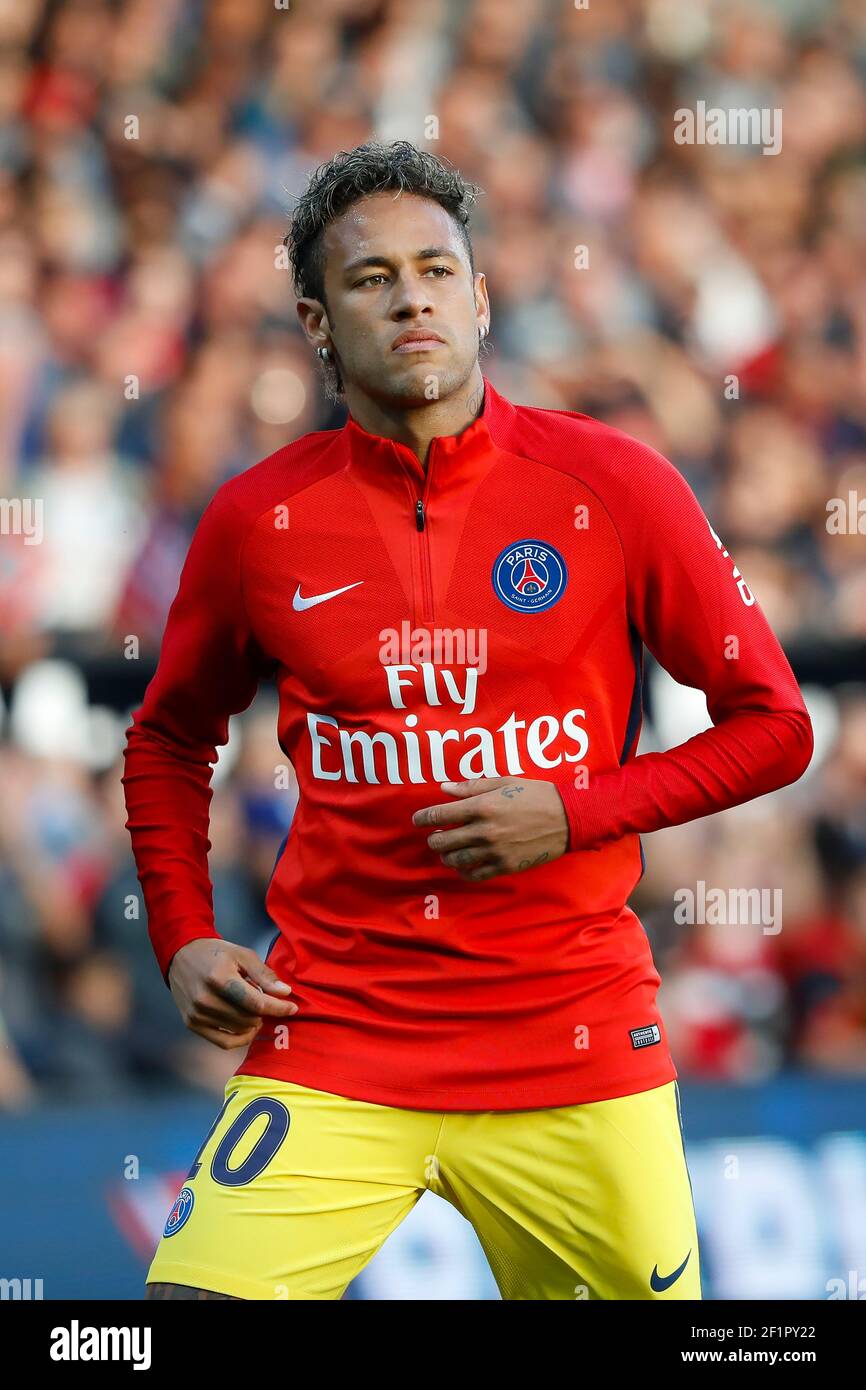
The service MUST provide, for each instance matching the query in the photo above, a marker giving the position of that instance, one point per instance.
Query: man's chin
(419, 378)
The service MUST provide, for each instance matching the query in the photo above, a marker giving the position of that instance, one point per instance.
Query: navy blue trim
(635, 714)
(277, 934)
(636, 706)
(283, 844)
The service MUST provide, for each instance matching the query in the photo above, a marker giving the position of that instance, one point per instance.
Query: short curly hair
(353, 174)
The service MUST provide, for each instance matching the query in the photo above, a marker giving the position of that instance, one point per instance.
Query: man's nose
(411, 298)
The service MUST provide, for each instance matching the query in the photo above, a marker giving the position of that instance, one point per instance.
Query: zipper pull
(419, 515)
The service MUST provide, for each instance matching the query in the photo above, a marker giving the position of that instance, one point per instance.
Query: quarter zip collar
(452, 454)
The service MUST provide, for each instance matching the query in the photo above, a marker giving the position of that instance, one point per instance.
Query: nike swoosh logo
(299, 603)
(659, 1283)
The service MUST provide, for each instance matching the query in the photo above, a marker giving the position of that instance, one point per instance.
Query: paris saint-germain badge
(529, 576)
(180, 1212)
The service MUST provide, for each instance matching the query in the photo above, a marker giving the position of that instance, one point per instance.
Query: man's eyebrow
(429, 253)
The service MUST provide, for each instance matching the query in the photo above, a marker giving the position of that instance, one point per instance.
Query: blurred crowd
(709, 299)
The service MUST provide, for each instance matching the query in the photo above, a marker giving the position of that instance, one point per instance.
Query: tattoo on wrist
(531, 863)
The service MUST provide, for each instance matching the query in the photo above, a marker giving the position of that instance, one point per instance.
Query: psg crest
(529, 576)
(180, 1212)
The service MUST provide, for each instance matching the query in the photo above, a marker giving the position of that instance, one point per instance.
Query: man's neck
(419, 425)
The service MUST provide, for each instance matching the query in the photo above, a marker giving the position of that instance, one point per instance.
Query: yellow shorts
(294, 1190)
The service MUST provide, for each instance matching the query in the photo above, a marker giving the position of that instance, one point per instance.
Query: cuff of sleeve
(170, 939)
(588, 811)
(569, 794)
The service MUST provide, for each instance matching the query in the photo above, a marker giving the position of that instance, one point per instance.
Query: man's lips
(417, 340)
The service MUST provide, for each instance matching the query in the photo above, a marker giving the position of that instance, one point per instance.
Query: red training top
(486, 619)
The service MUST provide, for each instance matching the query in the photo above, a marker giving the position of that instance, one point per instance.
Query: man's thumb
(262, 975)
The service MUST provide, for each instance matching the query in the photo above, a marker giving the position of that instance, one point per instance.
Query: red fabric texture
(416, 988)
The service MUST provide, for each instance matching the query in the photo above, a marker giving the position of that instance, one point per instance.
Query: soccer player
(453, 593)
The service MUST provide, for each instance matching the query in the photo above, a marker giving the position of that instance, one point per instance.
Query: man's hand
(502, 826)
(223, 991)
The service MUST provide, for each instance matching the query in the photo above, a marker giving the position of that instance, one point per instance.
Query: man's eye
(442, 271)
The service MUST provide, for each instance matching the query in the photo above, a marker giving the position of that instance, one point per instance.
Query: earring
(482, 332)
(322, 352)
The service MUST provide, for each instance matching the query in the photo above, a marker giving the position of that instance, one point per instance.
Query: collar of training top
(373, 451)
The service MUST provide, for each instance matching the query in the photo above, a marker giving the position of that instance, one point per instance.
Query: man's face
(395, 263)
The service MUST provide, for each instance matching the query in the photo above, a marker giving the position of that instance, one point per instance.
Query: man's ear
(313, 319)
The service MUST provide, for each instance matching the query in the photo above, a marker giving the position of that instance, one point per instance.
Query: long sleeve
(209, 669)
(694, 611)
